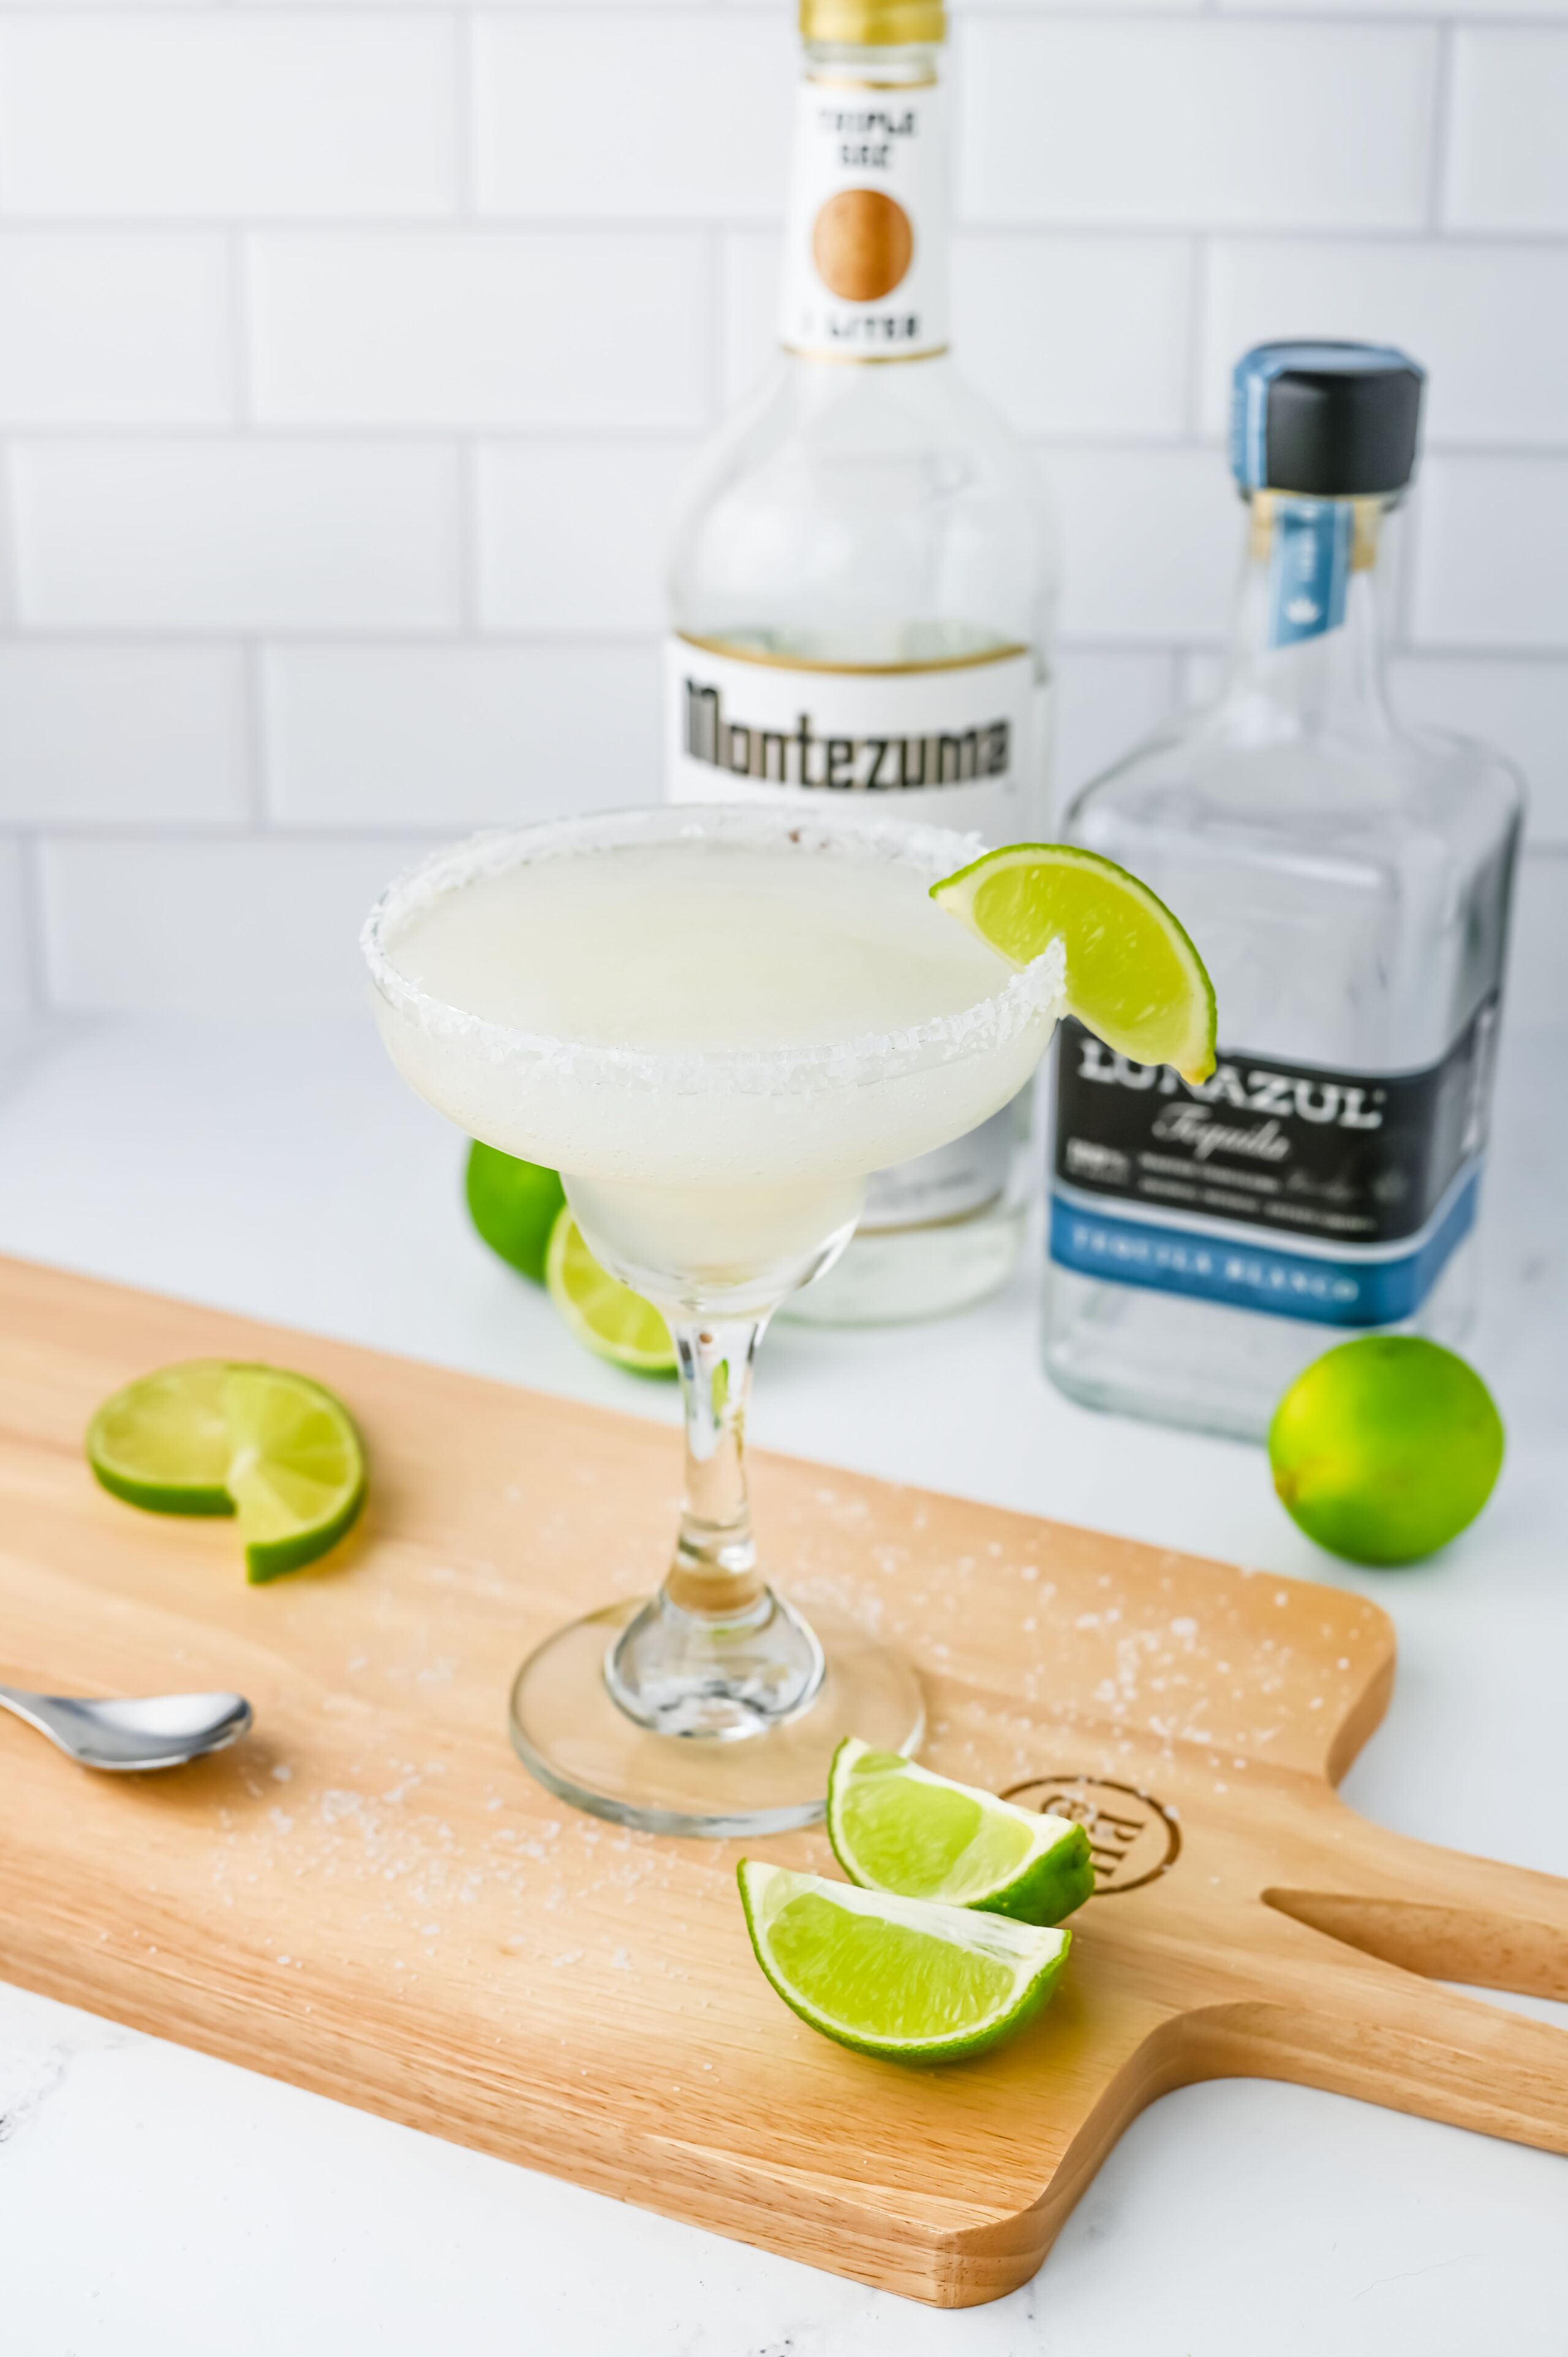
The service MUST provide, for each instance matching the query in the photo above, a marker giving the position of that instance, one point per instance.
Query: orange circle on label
(862, 244)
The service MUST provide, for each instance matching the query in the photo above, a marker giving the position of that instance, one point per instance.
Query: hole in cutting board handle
(1484, 1948)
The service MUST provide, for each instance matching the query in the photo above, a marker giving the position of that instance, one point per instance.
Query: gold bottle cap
(873, 24)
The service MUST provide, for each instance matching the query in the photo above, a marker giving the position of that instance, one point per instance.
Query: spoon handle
(25, 1706)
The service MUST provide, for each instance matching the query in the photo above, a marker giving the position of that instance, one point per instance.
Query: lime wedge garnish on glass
(1133, 976)
(892, 1976)
(895, 1826)
(601, 1311)
(211, 1436)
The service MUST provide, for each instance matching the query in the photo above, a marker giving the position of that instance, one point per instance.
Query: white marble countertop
(154, 2201)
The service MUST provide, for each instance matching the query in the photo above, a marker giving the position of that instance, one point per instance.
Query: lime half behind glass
(895, 1826)
(606, 1315)
(1133, 976)
(514, 1206)
(216, 1436)
(896, 1977)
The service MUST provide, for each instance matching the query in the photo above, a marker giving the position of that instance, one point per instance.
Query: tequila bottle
(862, 583)
(1347, 881)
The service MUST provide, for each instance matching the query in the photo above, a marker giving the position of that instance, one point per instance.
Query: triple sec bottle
(1347, 883)
(862, 582)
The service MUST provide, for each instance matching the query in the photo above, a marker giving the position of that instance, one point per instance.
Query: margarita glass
(713, 1022)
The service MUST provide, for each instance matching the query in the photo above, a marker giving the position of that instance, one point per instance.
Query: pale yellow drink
(713, 1037)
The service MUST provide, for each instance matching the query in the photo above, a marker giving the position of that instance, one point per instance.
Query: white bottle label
(957, 746)
(865, 248)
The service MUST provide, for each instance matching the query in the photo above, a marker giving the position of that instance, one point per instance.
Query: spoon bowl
(135, 1731)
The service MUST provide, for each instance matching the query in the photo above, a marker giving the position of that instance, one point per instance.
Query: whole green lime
(513, 1205)
(1385, 1448)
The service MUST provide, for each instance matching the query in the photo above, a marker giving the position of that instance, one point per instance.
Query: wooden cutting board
(369, 1898)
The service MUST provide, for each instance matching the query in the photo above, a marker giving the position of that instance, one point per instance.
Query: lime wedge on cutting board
(896, 1977)
(1133, 976)
(895, 1826)
(216, 1436)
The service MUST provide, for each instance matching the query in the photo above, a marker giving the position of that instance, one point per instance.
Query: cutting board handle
(1421, 2049)
(1440, 1912)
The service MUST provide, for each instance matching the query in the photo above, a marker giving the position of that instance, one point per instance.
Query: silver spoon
(137, 1731)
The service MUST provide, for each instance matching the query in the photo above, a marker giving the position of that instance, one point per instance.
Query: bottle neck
(865, 232)
(1306, 658)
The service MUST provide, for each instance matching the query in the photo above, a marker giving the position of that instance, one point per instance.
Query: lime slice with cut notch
(896, 1826)
(896, 1977)
(606, 1315)
(162, 1442)
(297, 1474)
(218, 1436)
(1133, 976)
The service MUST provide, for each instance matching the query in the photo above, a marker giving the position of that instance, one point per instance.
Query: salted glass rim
(934, 852)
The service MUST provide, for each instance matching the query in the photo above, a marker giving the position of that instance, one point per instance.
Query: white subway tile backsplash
(531, 329)
(1343, 9)
(1105, 704)
(121, 735)
(1067, 335)
(158, 114)
(674, 116)
(1489, 565)
(458, 737)
(1488, 322)
(1508, 140)
(111, 327)
(748, 307)
(1519, 707)
(572, 536)
(232, 535)
(16, 959)
(1076, 335)
(385, 331)
(1251, 126)
(265, 927)
(1151, 543)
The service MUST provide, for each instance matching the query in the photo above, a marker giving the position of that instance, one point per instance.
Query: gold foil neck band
(1365, 529)
(873, 24)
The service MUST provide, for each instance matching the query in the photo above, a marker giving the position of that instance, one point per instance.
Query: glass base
(570, 1733)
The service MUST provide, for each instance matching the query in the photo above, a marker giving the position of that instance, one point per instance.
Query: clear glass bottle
(862, 583)
(1347, 882)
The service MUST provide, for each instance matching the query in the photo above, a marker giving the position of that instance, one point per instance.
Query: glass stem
(716, 1653)
(714, 1569)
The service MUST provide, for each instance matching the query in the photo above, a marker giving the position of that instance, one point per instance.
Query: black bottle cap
(1326, 421)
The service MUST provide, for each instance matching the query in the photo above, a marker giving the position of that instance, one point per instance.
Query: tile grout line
(1199, 263)
(35, 917)
(242, 357)
(467, 459)
(258, 749)
(1442, 129)
(465, 82)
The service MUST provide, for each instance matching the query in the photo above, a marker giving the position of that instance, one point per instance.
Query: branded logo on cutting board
(1133, 1838)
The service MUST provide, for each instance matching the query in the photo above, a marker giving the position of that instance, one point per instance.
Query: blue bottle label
(1309, 565)
(1285, 1187)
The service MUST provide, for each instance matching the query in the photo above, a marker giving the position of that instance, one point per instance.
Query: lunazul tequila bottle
(1347, 883)
(862, 583)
